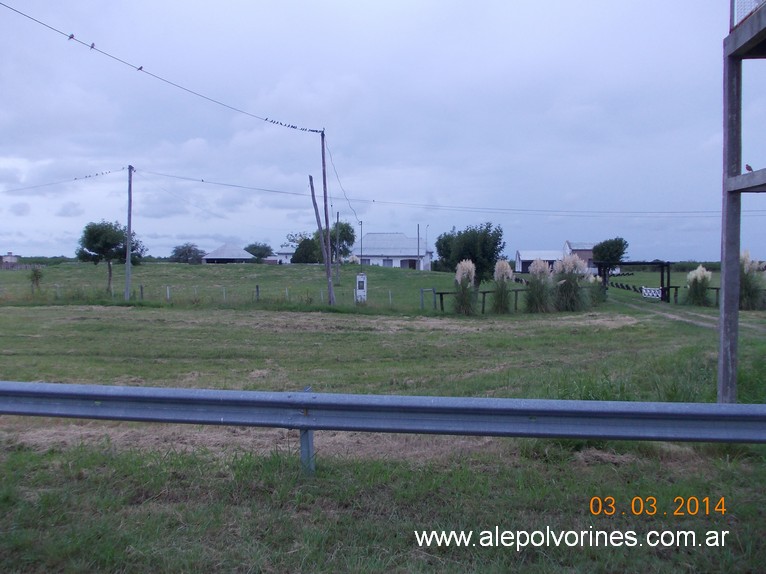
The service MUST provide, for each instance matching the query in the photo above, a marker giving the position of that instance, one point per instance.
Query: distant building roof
(228, 252)
(390, 245)
(579, 245)
(532, 254)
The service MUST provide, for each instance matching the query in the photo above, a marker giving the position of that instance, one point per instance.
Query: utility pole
(326, 236)
(419, 265)
(325, 250)
(337, 247)
(129, 234)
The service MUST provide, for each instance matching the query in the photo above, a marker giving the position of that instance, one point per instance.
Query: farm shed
(524, 258)
(584, 251)
(393, 250)
(228, 254)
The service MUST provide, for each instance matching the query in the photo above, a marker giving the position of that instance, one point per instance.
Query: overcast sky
(555, 120)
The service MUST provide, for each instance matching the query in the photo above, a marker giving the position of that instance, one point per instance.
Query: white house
(282, 256)
(393, 250)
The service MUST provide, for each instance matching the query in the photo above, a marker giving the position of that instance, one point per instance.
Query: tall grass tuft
(698, 282)
(751, 284)
(501, 300)
(540, 288)
(569, 294)
(465, 295)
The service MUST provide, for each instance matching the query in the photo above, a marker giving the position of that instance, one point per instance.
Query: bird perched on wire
(748, 168)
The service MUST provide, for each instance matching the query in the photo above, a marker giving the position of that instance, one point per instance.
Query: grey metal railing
(307, 411)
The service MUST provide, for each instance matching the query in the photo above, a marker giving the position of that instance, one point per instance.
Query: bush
(540, 288)
(35, 277)
(501, 299)
(465, 294)
(751, 284)
(569, 295)
(698, 282)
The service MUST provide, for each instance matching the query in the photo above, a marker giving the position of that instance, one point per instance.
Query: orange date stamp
(649, 506)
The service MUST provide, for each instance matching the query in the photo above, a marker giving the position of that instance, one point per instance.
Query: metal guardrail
(307, 411)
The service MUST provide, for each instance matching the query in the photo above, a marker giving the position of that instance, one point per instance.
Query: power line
(181, 198)
(92, 47)
(223, 184)
(475, 209)
(332, 162)
(81, 178)
(405, 204)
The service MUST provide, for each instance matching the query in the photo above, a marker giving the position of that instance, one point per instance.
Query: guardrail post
(308, 456)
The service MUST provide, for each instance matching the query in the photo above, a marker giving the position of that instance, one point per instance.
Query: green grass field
(128, 497)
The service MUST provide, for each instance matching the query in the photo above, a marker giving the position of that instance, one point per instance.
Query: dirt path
(61, 434)
(675, 313)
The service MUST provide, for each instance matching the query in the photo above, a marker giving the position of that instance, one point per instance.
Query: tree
(482, 244)
(609, 253)
(294, 239)
(187, 253)
(307, 252)
(342, 238)
(106, 241)
(260, 251)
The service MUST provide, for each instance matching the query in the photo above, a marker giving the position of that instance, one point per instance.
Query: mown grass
(94, 508)
(276, 287)
(105, 507)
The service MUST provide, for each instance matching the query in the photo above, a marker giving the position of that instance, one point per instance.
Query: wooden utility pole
(129, 234)
(337, 247)
(325, 247)
(326, 236)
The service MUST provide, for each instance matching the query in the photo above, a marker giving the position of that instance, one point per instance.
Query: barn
(524, 258)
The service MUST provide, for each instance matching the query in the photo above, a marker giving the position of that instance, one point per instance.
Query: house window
(388, 263)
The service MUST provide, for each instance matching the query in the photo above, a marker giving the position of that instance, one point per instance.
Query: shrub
(751, 284)
(569, 295)
(35, 277)
(698, 282)
(465, 300)
(501, 299)
(539, 288)
(595, 290)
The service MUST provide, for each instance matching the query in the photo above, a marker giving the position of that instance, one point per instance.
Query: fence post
(167, 293)
(308, 456)
(141, 290)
